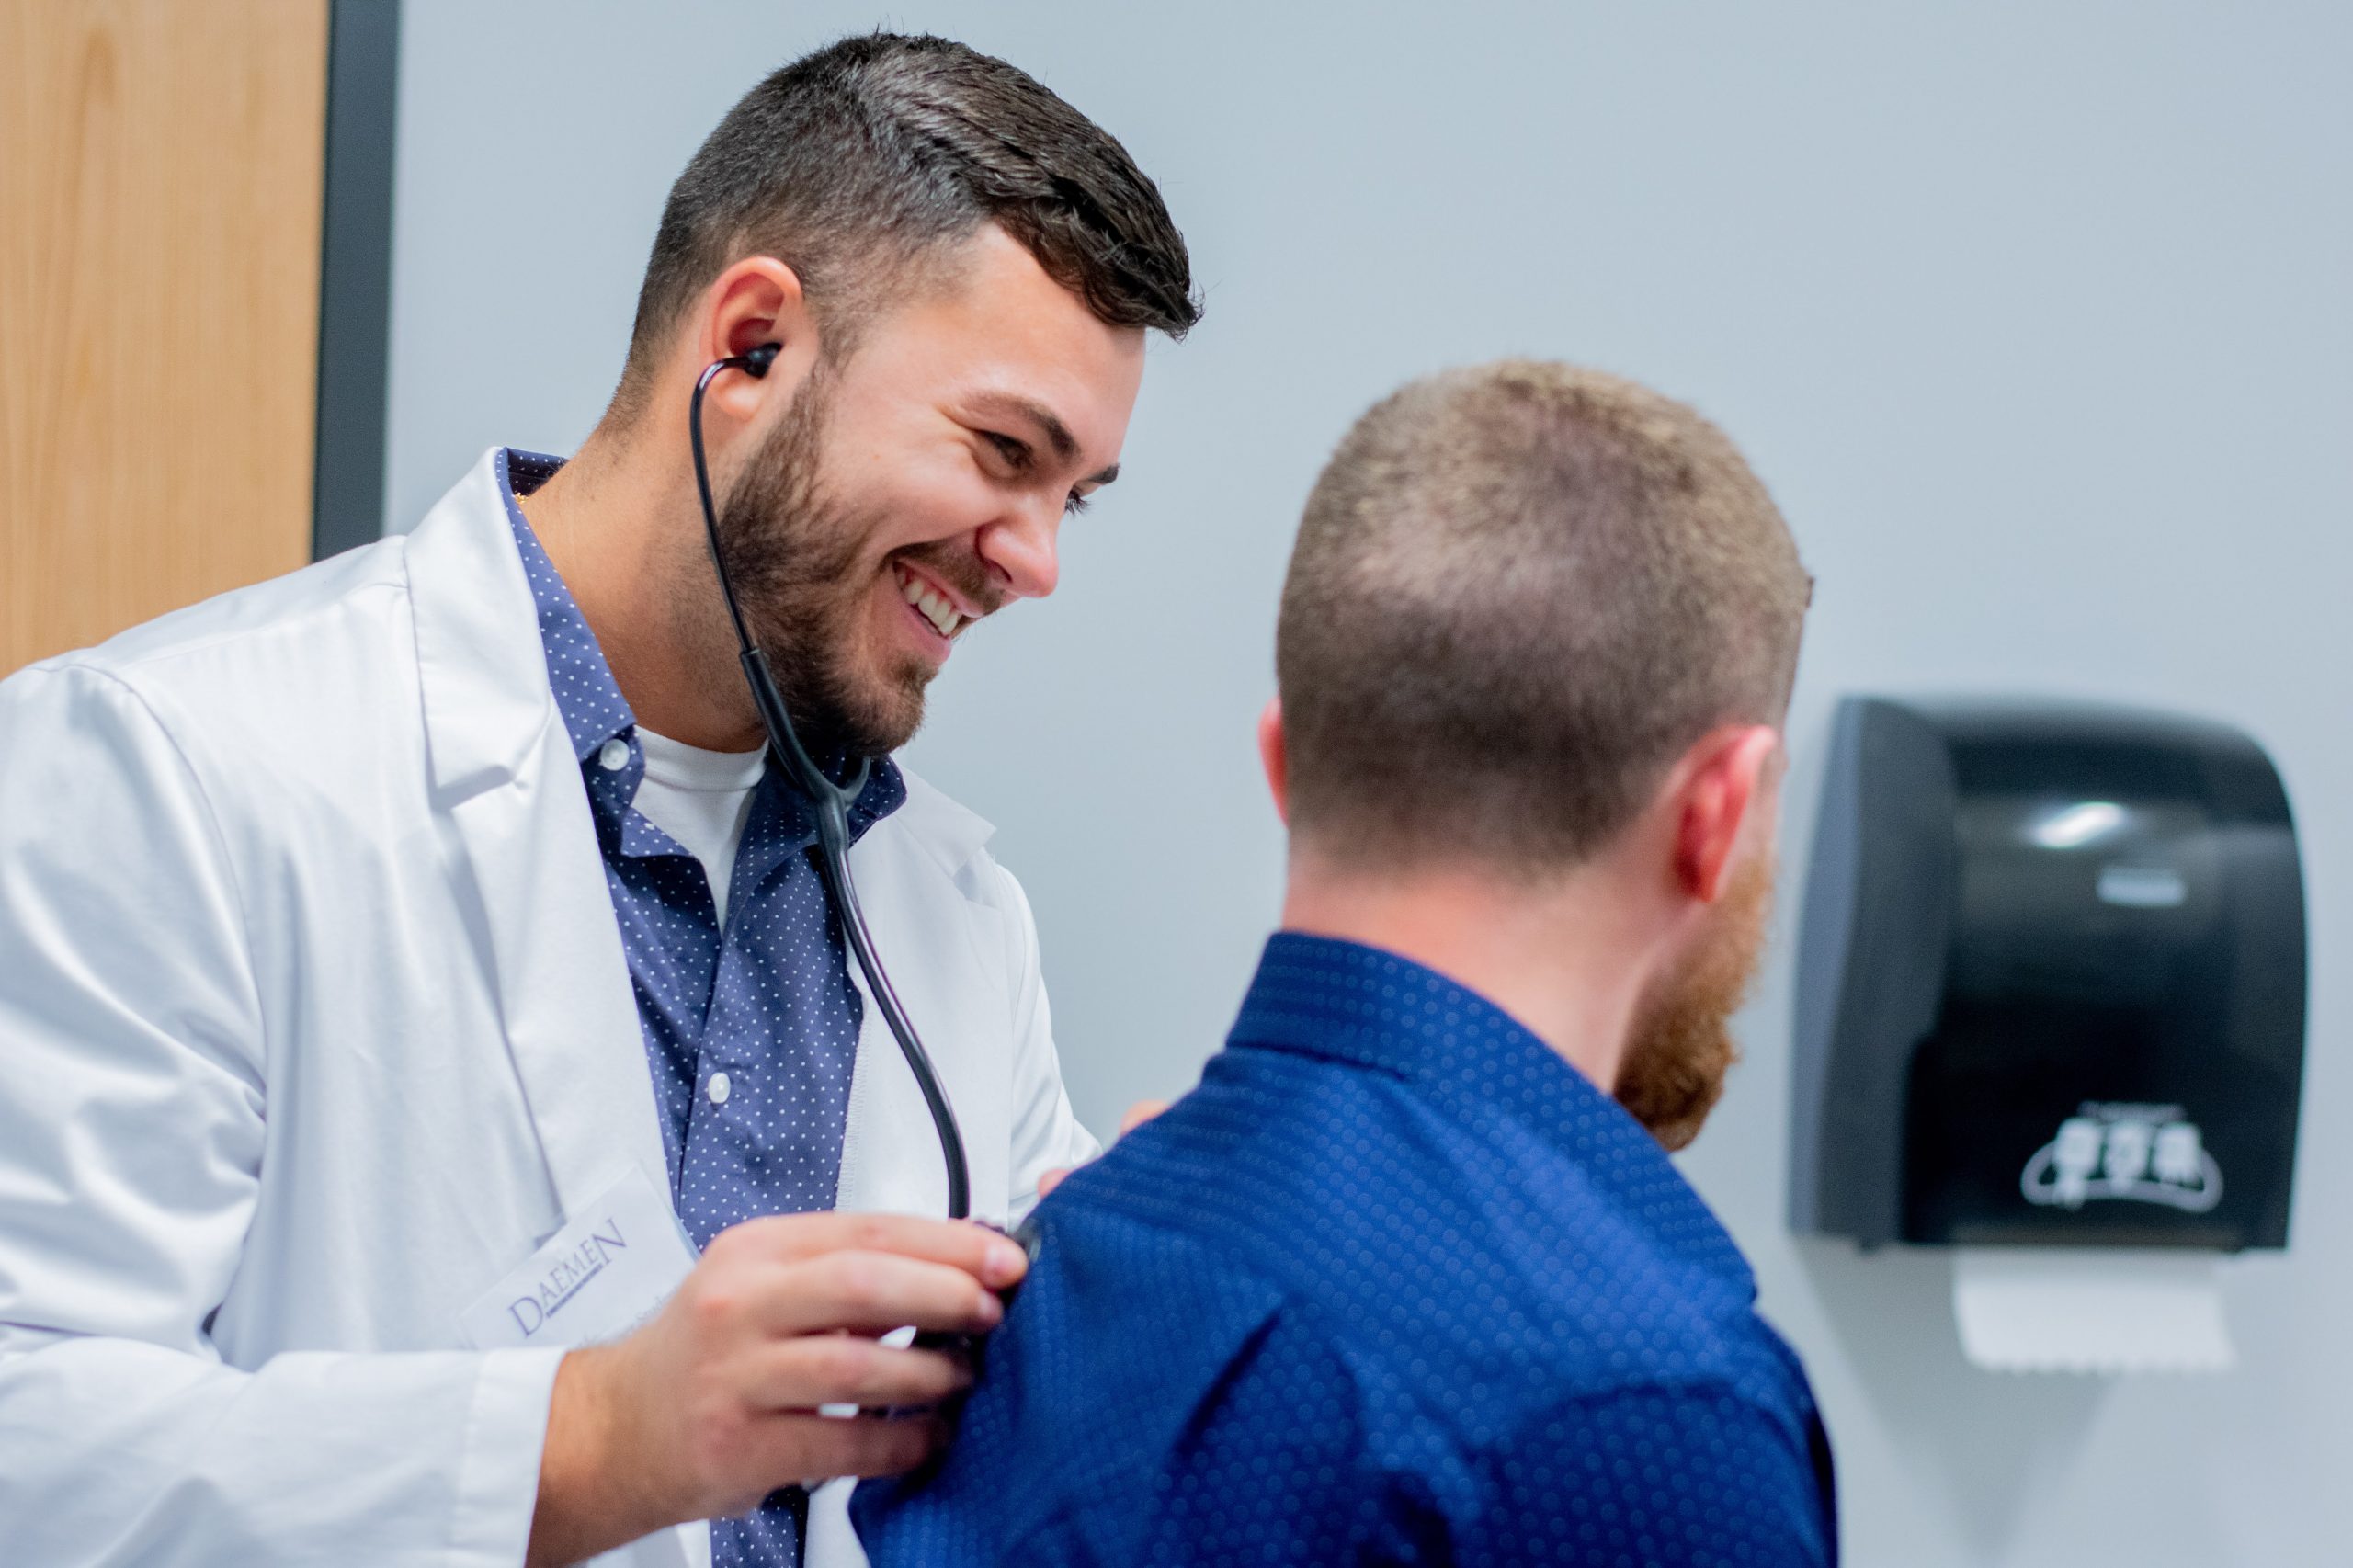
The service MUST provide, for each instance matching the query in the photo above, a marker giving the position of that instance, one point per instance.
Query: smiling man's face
(921, 485)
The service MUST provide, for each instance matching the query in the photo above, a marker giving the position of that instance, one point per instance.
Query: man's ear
(1271, 753)
(756, 301)
(1721, 790)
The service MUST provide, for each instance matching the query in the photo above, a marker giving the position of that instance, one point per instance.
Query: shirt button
(613, 757)
(720, 1088)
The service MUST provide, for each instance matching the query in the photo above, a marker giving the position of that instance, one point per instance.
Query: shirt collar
(586, 694)
(1346, 1002)
(594, 712)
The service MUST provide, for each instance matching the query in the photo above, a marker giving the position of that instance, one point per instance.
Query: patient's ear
(1276, 761)
(1722, 796)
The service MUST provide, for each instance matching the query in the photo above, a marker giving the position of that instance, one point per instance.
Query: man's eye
(1075, 504)
(1015, 451)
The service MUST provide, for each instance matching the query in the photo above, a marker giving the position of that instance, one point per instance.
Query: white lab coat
(314, 1022)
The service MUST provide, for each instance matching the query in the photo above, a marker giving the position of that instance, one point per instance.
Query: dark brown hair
(1519, 594)
(857, 163)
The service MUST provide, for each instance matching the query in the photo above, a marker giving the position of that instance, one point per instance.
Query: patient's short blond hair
(1520, 592)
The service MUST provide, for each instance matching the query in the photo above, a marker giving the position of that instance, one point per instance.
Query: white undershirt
(702, 799)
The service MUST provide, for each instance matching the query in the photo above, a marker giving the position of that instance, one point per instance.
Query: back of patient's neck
(1567, 957)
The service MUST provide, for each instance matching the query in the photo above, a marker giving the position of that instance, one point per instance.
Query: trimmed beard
(1682, 1045)
(791, 550)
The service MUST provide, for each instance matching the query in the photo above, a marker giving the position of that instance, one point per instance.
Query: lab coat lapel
(936, 943)
(504, 773)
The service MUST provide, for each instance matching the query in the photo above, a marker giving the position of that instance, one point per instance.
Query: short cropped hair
(1521, 593)
(857, 163)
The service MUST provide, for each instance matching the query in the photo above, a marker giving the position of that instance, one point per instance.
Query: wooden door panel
(160, 193)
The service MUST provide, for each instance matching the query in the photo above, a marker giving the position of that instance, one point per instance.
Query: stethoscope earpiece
(757, 362)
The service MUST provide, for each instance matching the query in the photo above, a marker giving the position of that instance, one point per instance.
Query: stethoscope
(832, 802)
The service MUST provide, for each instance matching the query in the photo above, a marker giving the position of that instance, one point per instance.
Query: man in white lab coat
(438, 1122)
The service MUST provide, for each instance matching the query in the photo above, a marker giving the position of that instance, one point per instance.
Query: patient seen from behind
(1409, 1277)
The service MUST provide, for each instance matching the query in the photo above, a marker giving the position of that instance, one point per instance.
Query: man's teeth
(942, 615)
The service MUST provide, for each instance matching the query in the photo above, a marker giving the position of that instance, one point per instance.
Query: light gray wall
(2036, 319)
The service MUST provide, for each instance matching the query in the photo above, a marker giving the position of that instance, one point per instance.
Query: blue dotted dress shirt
(1396, 1284)
(751, 1030)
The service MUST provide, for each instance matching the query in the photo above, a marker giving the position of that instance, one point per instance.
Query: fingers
(1053, 1180)
(806, 1450)
(979, 1252)
(818, 1447)
(873, 1292)
(801, 1374)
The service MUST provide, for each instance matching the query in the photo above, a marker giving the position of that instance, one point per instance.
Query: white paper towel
(2091, 1309)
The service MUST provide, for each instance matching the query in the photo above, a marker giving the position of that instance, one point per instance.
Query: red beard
(1682, 1044)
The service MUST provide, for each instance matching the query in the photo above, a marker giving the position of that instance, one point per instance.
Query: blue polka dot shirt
(1396, 1284)
(751, 1031)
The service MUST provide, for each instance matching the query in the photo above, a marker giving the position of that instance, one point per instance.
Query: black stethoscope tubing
(832, 802)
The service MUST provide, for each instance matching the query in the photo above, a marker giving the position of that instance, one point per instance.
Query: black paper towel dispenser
(2051, 982)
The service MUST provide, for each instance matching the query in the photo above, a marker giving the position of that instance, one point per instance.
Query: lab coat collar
(478, 659)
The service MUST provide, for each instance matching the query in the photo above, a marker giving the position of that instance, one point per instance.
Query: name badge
(600, 1277)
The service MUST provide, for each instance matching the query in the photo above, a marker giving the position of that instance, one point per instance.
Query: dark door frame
(356, 275)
